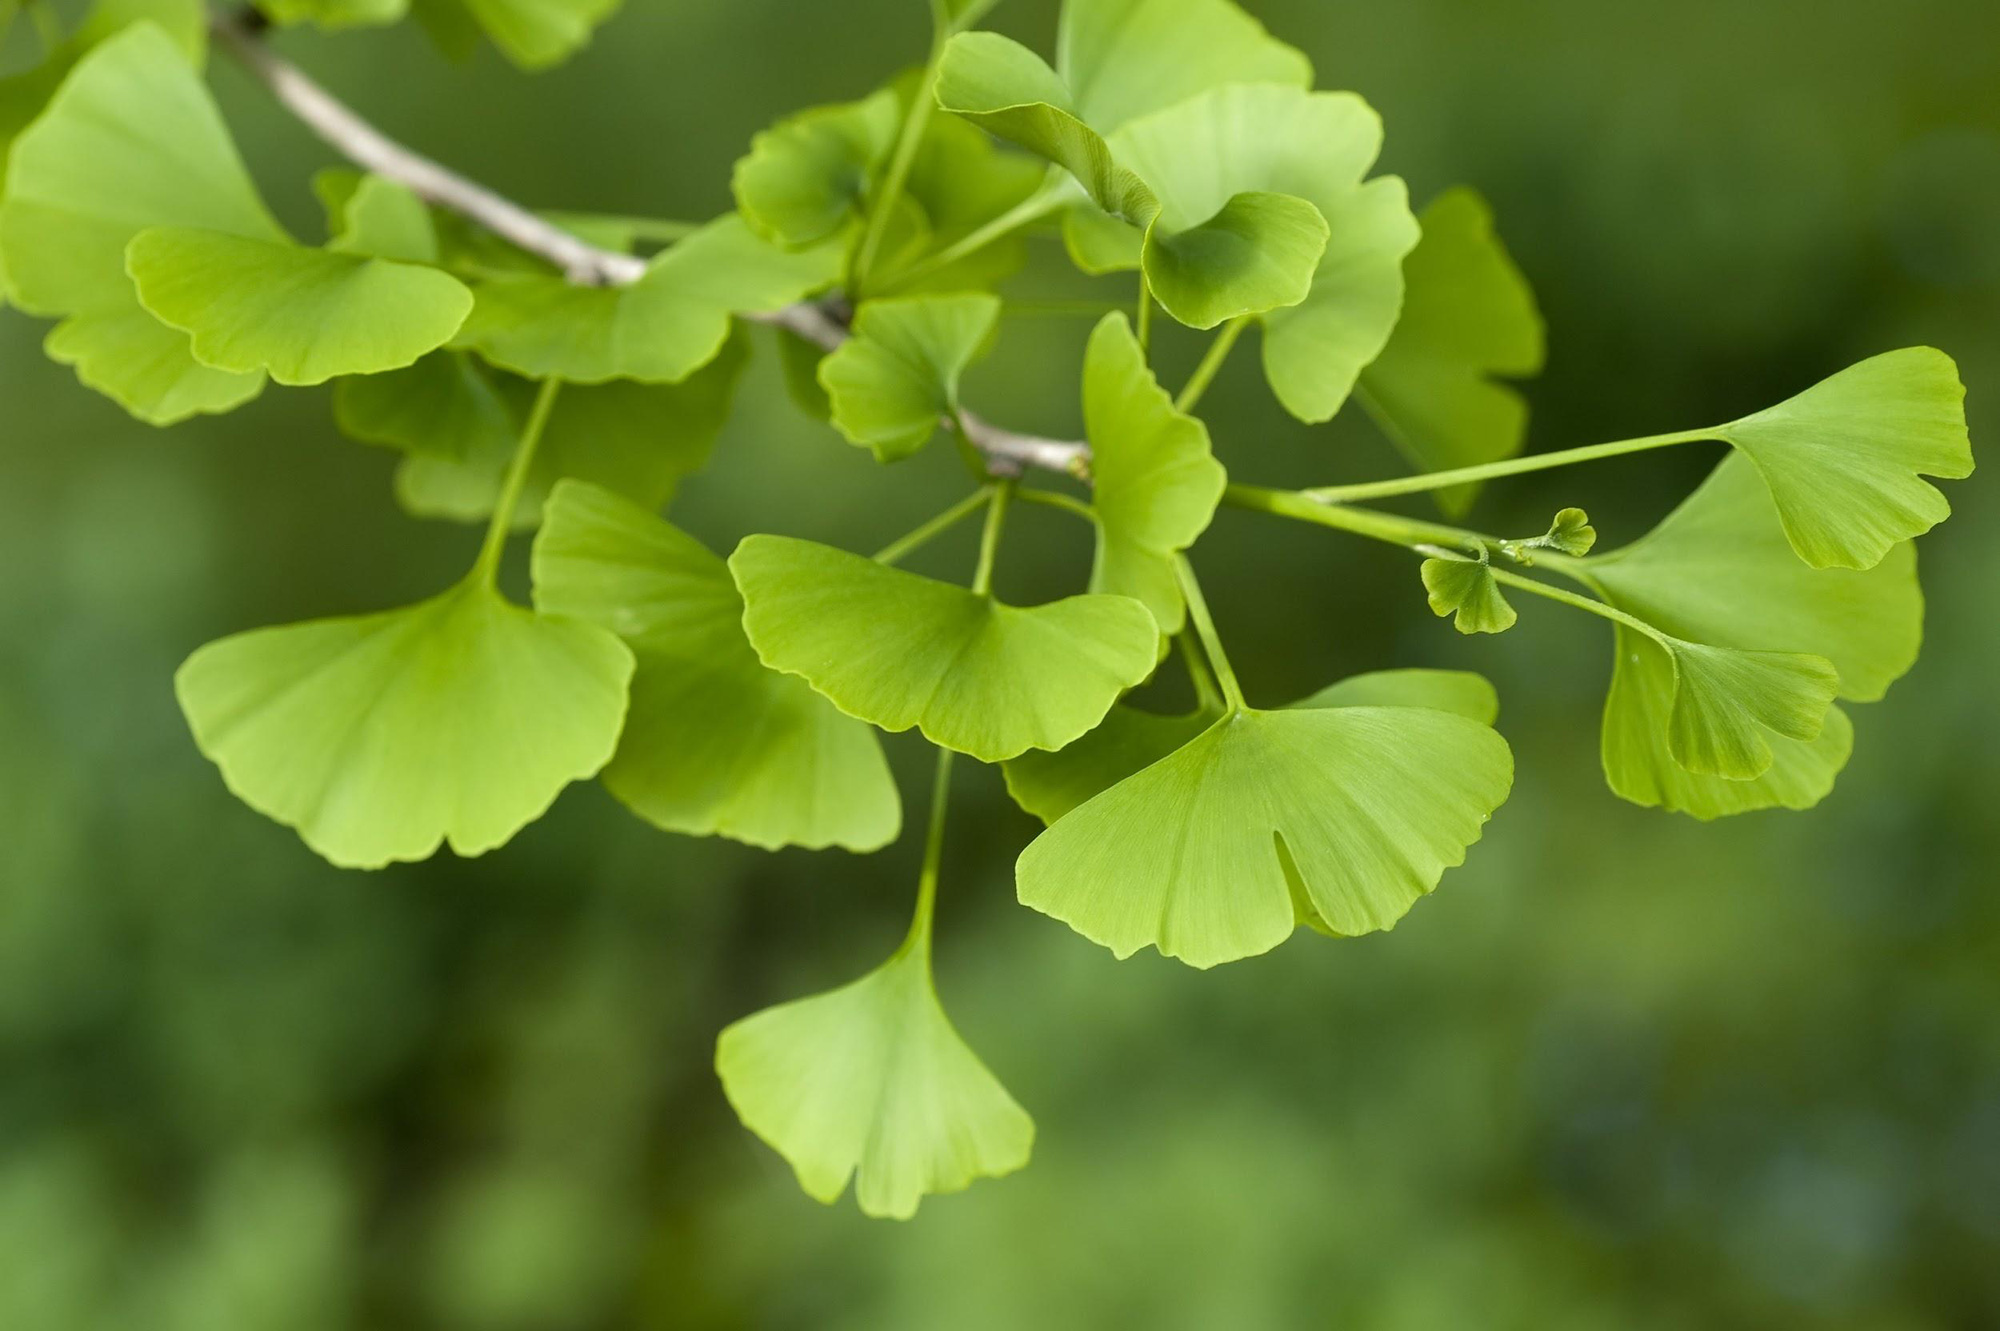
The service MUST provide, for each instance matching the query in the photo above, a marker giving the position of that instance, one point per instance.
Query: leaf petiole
(1211, 643)
(1207, 696)
(1438, 480)
(1058, 500)
(1211, 362)
(1144, 324)
(989, 536)
(935, 527)
(488, 563)
(919, 936)
(908, 140)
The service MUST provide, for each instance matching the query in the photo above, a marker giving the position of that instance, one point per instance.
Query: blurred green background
(1623, 1070)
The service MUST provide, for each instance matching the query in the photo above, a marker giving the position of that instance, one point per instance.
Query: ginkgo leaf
(1845, 459)
(808, 175)
(1257, 253)
(379, 737)
(714, 742)
(1340, 817)
(870, 1081)
(1569, 534)
(385, 220)
(660, 329)
(1316, 147)
(186, 21)
(959, 181)
(302, 315)
(1719, 570)
(534, 34)
(1124, 58)
(1640, 766)
(1468, 316)
(1049, 785)
(899, 650)
(334, 15)
(1155, 482)
(638, 440)
(1465, 589)
(1728, 703)
(131, 140)
(445, 404)
(888, 384)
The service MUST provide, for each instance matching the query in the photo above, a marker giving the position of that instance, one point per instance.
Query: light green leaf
(1640, 766)
(888, 384)
(1155, 482)
(898, 650)
(1465, 589)
(1124, 58)
(715, 742)
(638, 440)
(186, 21)
(131, 140)
(1340, 818)
(445, 405)
(381, 219)
(1468, 315)
(809, 175)
(1727, 704)
(1049, 785)
(1570, 534)
(378, 737)
(871, 1081)
(534, 34)
(302, 315)
(1315, 147)
(959, 181)
(1845, 458)
(334, 15)
(1257, 254)
(1099, 243)
(660, 329)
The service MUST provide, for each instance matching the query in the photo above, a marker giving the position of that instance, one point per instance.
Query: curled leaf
(888, 385)
(808, 175)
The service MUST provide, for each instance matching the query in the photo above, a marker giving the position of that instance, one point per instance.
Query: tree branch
(347, 133)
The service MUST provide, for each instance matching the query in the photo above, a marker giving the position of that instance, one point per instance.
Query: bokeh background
(1622, 1070)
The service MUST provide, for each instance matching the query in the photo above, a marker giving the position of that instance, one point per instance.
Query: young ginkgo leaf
(888, 384)
(379, 737)
(1465, 589)
(660, 329)
(870, 1081)
(1728, 704)
(534, 34)
(637, 440)
(384, 220)
(1845, 459)
(808, 176)
(1317, 147)
(445, 405)
(1340, 817)
(1257, 253)
(131, 140)
(1124, 58)
(899, 650)
(1049, 785)
(1569, 534)
(714, 742)
(334, 15)
(301, 315)
(1468, 316)
(1155, 481)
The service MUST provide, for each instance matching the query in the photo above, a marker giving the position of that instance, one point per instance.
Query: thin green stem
(1031, 209)
(1509, 578)
(989, 536)
(1211, 643)
(932, 529)
(1204, 373)
(1144, 322)
(488, 564)
(1207, 696)
(883, 205)
(1438, 480)
(1057, 499)
(927, 877)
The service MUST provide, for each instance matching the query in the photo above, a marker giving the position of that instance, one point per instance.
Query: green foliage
(1465, 590)
(808, 176)
(888, 384)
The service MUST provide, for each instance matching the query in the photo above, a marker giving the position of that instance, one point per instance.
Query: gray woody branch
(1006, 451)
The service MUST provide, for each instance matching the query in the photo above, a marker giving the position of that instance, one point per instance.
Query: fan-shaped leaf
(715, 742)
(660, 329)
(385, 220)
(1338, 817)
(1124, 58)
(1465, 589)
(1257, 253)
(870, 1081)
(1155, 482)
(1727, 703)
(1569, 534)
(131, 140)
(445, 405)
(456, 720)
(1845, 458)
(898, 650)
(302, 315)
(888, 384)
(808, 175)
(1468, 315)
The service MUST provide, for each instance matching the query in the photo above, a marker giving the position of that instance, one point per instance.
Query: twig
(345, 131)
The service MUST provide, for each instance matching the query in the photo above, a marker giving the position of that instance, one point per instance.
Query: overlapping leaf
(445, 405)
(379, 737)
(714, 742)
(1155, 481)
(1468, 320)
(808, 176)
(660, 329)
(899, 650)
(1340, 818)
(872, 1082)
(534, 34)
(888, 384)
